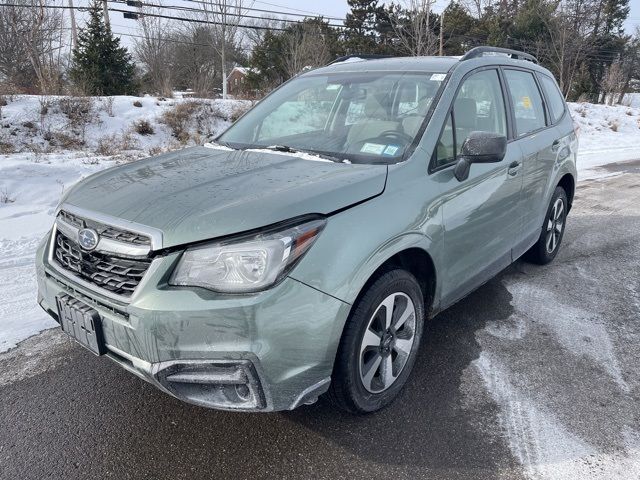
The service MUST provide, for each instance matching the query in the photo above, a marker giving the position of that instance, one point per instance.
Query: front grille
(117, 275)
(106, 231)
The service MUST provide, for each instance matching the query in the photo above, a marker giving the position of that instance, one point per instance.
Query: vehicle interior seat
(374, 122)
(466, 118)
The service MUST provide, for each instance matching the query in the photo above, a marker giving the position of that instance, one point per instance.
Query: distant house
(237, 84)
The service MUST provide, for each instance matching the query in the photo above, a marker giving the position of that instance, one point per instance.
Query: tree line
(583, 43)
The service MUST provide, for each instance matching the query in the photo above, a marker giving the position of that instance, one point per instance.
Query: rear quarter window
(555, 99)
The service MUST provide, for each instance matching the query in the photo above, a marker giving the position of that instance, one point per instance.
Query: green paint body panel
(290, 332)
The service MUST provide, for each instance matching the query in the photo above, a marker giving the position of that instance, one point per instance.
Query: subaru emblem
(88, 238)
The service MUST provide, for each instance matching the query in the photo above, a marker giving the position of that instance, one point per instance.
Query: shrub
(179, 117)
(6, 198)
(116, 143)
(107, 105)
(143, 127)
(80, 111)
(64, 140)
(6, 147)
(153, 151)
(137, 103)
(238, 111)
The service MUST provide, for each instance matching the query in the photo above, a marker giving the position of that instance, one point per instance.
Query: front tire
(379, 344)
(548, 244)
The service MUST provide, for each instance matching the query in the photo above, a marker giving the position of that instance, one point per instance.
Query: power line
(297, 9)
(263, 10)
(202, 11)
(155, 15)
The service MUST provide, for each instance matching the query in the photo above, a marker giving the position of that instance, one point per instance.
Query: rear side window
(527, 101)
(554, 97)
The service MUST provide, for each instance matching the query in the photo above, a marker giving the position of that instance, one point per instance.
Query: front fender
(356, 242)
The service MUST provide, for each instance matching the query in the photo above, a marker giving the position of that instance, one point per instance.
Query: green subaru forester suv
(301, 253)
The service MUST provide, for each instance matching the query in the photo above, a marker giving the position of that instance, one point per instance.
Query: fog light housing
(229, 385)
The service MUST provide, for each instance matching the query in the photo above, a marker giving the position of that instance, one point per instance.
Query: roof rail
(481, 51)
(363, 56)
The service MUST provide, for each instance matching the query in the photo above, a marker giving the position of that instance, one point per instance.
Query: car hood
(201, 193)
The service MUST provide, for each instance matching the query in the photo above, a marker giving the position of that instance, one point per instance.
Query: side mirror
(480, 147)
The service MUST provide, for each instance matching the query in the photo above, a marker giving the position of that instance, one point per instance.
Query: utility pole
(105, 9)
(74, 31)
(441, 32)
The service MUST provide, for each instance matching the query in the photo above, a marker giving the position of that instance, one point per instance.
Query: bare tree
(225, 16)
(305, 46)
(613, 82)
(412, 27)
(568, 41)
(153, 50)
(30, 43)
(193, 58)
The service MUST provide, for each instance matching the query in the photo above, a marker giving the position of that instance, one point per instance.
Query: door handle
(513, 168)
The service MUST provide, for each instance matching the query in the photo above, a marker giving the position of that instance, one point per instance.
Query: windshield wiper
(288, 149)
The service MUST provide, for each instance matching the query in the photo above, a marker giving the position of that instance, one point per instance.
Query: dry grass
(239, 110)
(179, 117)
(110, 145)
(143, 127)
(6, 147)
(5, 197)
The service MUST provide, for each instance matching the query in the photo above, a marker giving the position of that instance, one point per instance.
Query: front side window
(527, 101)
(554, 97)
(366, 117)
(479, 106)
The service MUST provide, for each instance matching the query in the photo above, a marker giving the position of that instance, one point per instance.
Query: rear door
(480, 214)
(539, 143)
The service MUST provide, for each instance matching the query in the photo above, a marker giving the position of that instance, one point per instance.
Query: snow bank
(608, 134)
(43, 125)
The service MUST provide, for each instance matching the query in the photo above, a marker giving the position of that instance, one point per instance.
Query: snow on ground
(40, 134)
(608, 134)
(43, 166)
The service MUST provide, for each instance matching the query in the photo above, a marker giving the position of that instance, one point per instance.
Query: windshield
(368, 117)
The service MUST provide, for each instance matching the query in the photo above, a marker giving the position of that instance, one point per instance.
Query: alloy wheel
(387, 342)
(555, 224)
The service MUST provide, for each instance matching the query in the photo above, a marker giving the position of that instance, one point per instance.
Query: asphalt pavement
(532, 376)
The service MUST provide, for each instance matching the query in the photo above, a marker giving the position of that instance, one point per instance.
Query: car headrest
(464, 111)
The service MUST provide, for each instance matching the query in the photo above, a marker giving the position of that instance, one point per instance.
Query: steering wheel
(387, 137)
(394, 135)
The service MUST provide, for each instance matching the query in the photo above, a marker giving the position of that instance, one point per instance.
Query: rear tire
(379, 344)
(552, 231)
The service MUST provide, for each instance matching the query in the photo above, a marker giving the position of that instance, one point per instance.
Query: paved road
(535, 375)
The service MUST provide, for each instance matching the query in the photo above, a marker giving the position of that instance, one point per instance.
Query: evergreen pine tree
(100, 66)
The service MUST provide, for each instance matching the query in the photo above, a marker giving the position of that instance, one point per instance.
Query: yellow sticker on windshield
(526, 102)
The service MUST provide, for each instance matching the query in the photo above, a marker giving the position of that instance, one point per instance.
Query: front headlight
(246, 265)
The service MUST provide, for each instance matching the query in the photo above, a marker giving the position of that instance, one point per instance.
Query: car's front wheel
(548, 244)
(379, 344)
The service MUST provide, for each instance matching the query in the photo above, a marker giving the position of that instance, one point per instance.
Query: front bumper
(273, 350)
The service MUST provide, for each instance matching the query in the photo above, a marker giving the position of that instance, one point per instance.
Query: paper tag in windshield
(391, 150)
(438, 77)
(373, 148)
